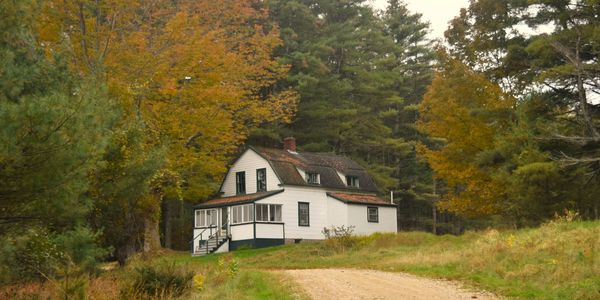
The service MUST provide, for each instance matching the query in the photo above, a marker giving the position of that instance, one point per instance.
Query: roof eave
(266, 195)
(353, 190)
(360, 203)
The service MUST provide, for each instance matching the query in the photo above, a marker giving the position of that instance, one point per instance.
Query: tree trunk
(434, 229)
(434, 219)
(151, 227)
(167, 223)
(151, 234)
(125, 252)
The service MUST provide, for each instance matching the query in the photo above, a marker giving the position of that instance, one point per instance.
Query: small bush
(339, 238)
(29, 256)
(227, 267)
(161, 281)
(199, 282)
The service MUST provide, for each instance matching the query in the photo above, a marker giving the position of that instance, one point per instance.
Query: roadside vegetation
(559, 260)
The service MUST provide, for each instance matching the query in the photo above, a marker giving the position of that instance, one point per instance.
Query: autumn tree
(462, 107)
(493, 159)
(545, 53)
(543, 47)
(197, 74)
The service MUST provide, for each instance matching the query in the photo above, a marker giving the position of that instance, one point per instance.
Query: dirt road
(369, 284)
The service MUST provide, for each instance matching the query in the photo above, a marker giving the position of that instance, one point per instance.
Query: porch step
(211, 245)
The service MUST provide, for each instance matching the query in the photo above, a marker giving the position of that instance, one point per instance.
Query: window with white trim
(373, 214)
(241, 214)
(206, 217)
(352, 181)
(303, 214)
(268, 212)
(313, 178)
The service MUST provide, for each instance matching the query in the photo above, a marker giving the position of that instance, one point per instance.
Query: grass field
(559, 260)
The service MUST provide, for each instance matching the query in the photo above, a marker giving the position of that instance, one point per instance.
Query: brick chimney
(289, 144)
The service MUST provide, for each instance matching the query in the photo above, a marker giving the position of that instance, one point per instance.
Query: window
(240, 183)
(268, 212)
(372, 214)
(261, 180)
(352, 181)
(248, 213)
(274, 213)
(241, 214)
(206, 217)
(200, 218)
(313, 178)
(303, 214)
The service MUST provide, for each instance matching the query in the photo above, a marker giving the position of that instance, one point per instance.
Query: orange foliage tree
(198, 74)
(464, 109)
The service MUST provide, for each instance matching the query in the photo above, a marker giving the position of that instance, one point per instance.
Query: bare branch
(84, 36)
(569, 160)
(579, 140)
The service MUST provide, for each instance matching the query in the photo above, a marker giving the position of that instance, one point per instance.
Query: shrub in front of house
(339, 238)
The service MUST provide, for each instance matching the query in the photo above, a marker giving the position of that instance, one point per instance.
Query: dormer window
(313, 178)
(352, 181)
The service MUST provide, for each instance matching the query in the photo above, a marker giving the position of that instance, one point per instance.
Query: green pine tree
(53, 129)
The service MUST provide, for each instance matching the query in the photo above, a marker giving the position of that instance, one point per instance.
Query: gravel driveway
(369, 284)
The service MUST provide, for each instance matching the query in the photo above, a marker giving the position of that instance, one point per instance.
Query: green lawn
(559, 260)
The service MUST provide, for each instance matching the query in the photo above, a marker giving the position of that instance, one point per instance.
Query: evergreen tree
(53, 129)
(413, 69)
(359, 75)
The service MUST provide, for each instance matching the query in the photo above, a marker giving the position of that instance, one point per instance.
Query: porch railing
(201, 234)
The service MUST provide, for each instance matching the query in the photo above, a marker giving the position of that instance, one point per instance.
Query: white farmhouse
(276, 196)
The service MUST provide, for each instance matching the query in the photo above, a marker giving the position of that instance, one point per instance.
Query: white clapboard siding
(242, 232)
(289, 211)
(249, 162)
(357, 217)
(337, 213)
(269, 231)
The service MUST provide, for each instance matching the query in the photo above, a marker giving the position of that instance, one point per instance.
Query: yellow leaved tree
(463, 109)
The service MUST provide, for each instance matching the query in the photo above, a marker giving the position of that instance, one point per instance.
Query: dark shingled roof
(237, 199)
(284, 164)
(360, 199)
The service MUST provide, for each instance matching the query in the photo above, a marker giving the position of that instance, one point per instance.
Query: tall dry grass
(559, 260)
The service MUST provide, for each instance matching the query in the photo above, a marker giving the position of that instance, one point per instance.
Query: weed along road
(369, 284)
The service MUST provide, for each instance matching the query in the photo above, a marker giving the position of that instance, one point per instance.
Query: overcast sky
(436, 12)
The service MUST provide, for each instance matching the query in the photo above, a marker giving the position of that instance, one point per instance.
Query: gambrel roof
(286, 163)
